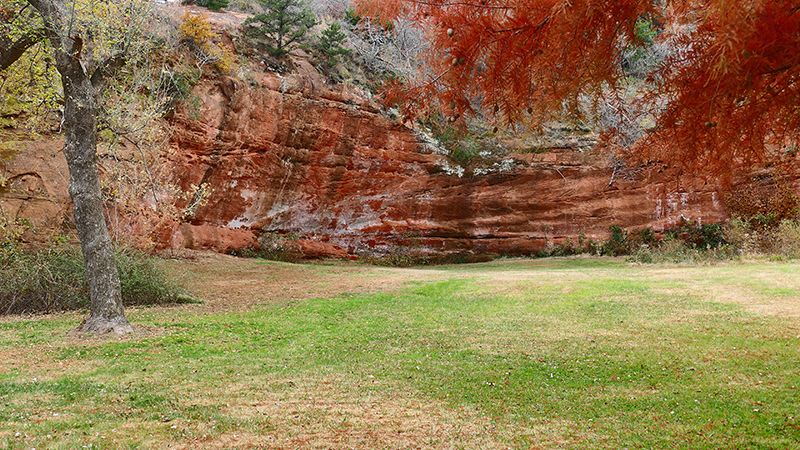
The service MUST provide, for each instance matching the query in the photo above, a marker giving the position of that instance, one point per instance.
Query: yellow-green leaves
(196, 32)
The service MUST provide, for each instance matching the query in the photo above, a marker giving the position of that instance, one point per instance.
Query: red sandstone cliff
(294, 155)
(327, 165)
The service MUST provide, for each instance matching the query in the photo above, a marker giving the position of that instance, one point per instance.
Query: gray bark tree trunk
(106, 313)
(81, 112)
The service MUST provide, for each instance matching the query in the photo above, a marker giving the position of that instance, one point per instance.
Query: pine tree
(330, 43)
(214, 5)
(283, 23)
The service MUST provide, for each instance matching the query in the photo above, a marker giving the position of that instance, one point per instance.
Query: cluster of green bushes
(54, 279)
(688, 242)
(694, 242)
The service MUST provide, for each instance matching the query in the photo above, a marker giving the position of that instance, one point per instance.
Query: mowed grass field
(528, 354)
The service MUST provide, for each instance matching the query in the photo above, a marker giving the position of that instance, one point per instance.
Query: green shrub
(11, 232)
(754, 239)
(464, 151)
(676, 251)
(214, 5)
(744, 238)
(54, 279)
(351, 17)
(617, 243)
(145, 281)
(698, 236)
(567, 248)
(688, 242)
(787, 238)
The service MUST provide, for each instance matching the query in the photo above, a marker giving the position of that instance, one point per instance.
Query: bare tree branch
(103, 74)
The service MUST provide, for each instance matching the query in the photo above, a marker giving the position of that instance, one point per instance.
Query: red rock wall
(35, 178)
(293, 156)
(327, 165)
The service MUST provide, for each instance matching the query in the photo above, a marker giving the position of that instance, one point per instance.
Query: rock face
(292, 155)
(33, 192)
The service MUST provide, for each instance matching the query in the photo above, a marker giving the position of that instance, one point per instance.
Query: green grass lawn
(562, 353)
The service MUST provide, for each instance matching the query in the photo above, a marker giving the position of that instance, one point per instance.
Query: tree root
(103, 325)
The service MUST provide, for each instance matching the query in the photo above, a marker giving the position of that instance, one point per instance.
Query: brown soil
(225, 283)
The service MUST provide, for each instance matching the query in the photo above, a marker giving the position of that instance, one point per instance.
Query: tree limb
(101, 76)
(9, 54)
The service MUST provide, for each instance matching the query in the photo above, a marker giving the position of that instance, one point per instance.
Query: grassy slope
(581, 353)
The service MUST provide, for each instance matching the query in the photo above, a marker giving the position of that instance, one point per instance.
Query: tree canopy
(726, 91)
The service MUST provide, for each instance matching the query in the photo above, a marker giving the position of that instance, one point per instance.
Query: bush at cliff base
(54, 279)
(736, 239)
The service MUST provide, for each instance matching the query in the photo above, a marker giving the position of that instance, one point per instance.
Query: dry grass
(333, 413)
(559, 353)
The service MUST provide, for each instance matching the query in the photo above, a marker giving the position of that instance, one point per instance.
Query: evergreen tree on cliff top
(283, 23)
(726, 95)
(330, 43)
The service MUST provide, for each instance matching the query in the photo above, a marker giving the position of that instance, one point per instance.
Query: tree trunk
(81, 111)
(106, 313)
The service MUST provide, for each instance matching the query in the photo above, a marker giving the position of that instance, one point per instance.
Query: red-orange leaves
(738, 68)
(732, 63)
(521, 53)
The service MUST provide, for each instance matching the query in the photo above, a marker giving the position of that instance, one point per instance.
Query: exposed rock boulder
(310, 249)
(210, 237)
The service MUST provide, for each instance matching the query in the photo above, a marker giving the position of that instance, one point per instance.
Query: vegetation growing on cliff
(196, 34)
(330, 43)
(282, 23)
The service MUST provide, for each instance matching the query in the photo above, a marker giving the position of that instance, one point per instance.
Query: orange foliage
(734, 91)
(730, 85)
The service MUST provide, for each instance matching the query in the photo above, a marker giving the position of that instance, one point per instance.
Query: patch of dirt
(751, 289)
(223, 20)
(226, 283)
(42, 362)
